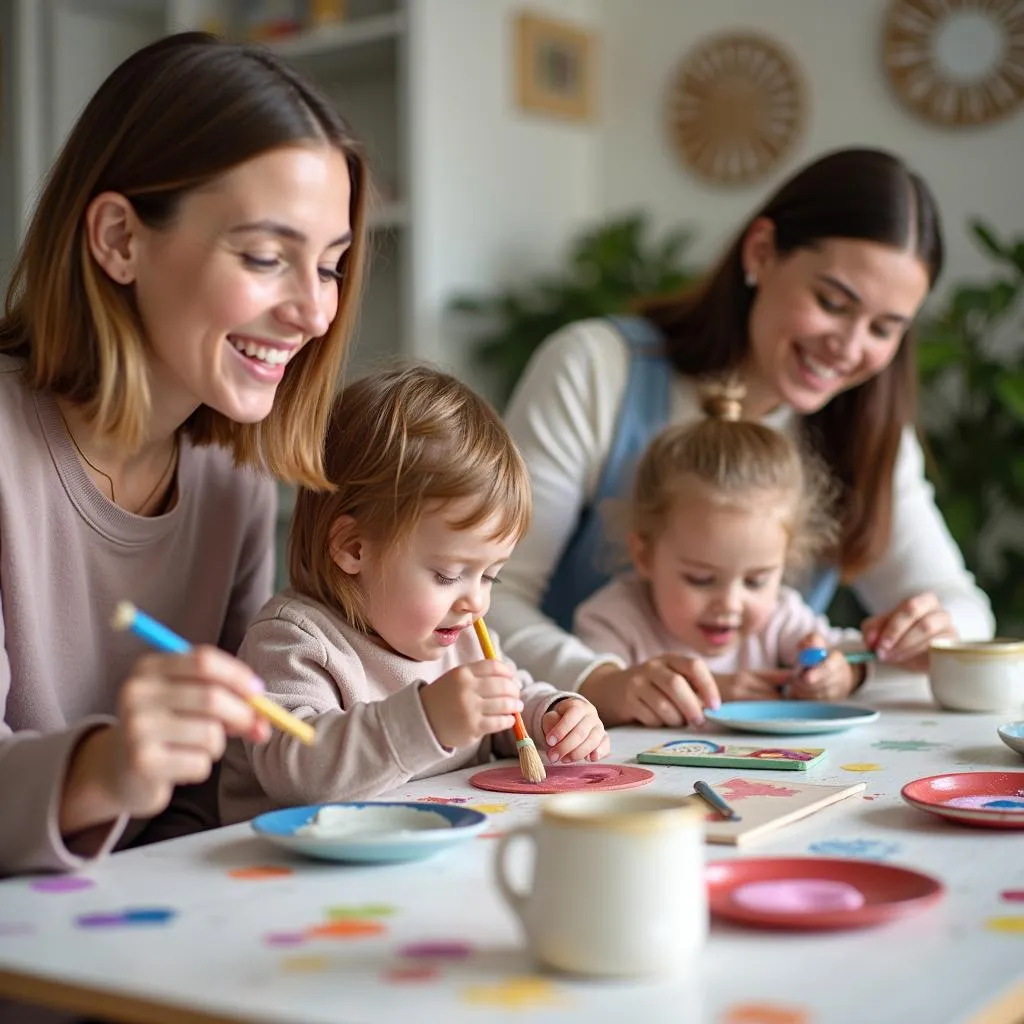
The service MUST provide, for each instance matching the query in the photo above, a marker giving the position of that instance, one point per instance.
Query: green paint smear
(366, 910)
(905, 745)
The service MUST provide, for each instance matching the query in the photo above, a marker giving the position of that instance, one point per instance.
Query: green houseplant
(971, 360)
(608, 267)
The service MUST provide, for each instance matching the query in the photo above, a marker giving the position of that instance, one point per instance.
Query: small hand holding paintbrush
(530, 763)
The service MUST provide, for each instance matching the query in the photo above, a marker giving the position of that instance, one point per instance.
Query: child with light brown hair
(373, 643)
(721, 509)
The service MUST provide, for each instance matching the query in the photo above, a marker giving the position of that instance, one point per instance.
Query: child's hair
(735, 462)
(399, 441)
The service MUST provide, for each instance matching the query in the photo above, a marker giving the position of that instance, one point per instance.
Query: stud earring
(750, 279)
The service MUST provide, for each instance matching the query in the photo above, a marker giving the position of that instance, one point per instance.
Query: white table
(213, 962)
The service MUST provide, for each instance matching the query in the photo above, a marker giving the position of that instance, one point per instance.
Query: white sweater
(563, 415)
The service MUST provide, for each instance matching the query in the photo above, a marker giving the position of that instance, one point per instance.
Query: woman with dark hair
(171, 342)
(812, 308)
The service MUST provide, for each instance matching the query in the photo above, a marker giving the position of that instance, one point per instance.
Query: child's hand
(743, 685)
(574, 732)
(669, 691)
(832, 679)
(903, 635)
(470, 702)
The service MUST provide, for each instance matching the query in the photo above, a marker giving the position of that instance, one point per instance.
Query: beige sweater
(67, 556)
(364, 701)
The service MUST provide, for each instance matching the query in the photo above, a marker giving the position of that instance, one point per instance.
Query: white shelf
(142, 10)
(328, 40)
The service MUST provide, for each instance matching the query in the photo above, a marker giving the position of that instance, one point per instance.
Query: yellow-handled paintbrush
(530, 763)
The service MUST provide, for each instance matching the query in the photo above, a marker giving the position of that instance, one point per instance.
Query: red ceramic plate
(816, 893)
(988, 799)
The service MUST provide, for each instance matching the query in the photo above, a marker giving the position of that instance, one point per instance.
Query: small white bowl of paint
(1012, 734)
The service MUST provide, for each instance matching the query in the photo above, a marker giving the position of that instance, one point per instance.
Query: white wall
(497, 192)
(87, 44)
(837, 44)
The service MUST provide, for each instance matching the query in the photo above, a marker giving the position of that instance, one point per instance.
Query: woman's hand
(175, 712)
(573, 732)
(902, 636)
(665, 692)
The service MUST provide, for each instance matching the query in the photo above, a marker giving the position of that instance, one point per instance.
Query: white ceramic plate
(789, 717)
(369, 832)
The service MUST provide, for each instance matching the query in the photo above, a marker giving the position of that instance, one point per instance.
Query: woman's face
(826, 319)
(242, 279)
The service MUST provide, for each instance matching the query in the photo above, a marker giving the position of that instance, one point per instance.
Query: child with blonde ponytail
(721, 510)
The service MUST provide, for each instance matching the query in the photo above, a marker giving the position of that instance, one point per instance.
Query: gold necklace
(96, 469)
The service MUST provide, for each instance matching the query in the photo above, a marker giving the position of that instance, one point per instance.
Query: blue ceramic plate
(369, 832)
(789, 717)
(1012, 734)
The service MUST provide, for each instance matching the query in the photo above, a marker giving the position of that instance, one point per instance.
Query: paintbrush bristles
(530, 763)
(124, 615)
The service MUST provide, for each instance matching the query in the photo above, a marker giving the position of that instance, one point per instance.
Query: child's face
(715, 571)
(419, 597)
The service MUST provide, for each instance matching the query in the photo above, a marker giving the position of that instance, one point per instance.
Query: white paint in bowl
(1012, 734)
(350, 822)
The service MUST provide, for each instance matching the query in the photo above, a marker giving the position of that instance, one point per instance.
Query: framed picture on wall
(554, 68)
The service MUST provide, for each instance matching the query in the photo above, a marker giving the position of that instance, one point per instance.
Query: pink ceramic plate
(988, 799)
(816, 893)
(563, 778)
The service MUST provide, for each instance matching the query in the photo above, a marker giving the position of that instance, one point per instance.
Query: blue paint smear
(868, 849)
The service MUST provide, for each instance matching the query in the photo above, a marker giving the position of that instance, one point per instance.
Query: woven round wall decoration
(956, 62)
(736, 107)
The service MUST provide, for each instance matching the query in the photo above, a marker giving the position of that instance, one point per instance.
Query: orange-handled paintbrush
(530, 763)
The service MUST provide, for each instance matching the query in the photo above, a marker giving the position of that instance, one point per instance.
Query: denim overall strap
(586, 561)
(821, 587)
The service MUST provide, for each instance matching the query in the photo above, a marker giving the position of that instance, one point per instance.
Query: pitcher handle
(516, 899)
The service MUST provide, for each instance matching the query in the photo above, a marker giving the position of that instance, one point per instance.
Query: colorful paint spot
(1008, 925)
(862, 766)
(131, 918)
(490, 835)
(525, 993)
(404, 975)
(869, 849)
(489, 808)
(307, 963)
(1012, 895)
(284, 938)
(985, 802)
(906, 745)
(366, 910)
(444, 799)
(260, 872)
(62, 883)
(740, 789)
(436, 949)
(765, 1013)
(346, 928)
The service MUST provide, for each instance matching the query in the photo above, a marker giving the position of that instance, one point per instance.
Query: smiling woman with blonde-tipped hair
(171, 343)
